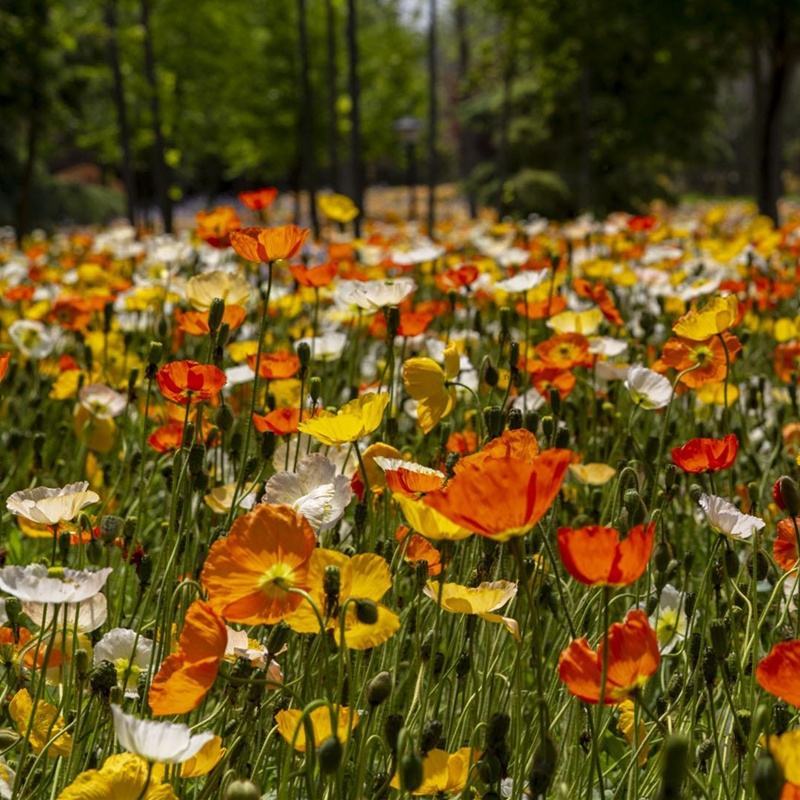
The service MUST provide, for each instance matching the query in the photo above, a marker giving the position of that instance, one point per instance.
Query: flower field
(512, 512)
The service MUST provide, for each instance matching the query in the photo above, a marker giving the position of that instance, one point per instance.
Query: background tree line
(548, 106)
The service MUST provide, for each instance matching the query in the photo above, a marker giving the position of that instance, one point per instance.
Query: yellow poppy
(626, 723)
(375, 476)
(584, 322)
(337, 207)
(289, 722)
(202, 289)
(98, 433)
(594, 474)
(427, 521)
(427, 383)
(442, 772)
(239, 351)
(354, 420)
(482, 600)
(365, 576)
(122, 777)
(716, 316)
(785, 750)
(208, 758)
(45, 725)
(714, 394)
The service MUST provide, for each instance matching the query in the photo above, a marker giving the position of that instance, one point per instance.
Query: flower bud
(531, 421)
(493, 416)
(543, 767)
(411, 772)
(379, 688)
(674, 766)
(463, 664)
(223, 418)
(392, 316)
(215, 313)
(304, 354)
(719, 637)
(431, 734)
(367, 611)
(548, 426)
(315, 388)
(242, 790)
(786, 495)
(82, 664)
(709, 665)
(505, 323)
(513, 355)
(330, 755)
(515, 419)
(768, 778)
(489, 375)
(555, 401)
(391, 730)
(562, 438)
(154, 353)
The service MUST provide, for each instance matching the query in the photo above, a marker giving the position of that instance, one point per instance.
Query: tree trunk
(433, 114)
(332, 80)
(121, 110)
(36, 102)
(466, 142)
(503, 158)
(356, 161)
(308, 180)
(160, 168)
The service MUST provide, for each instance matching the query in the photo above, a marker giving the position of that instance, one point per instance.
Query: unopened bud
(379, 688)
(215, 313)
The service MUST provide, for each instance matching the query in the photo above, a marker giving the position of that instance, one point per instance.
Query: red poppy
(595, 555)
(633, 657)
(779, 672)
(19, 294)
(562, 380)
(706, 455)
(258, 199)
(187, 382)
(268, 244)
(641, 223)
(166, 437)
(454, 279)
(272, 366)
(599, 294)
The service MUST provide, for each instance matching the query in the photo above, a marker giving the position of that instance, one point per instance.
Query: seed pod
(531, 421)
(411, 772)
(719, 637)
(675, 686)
(242, 790)
(709, 666)
(330, 755)
(103, 678)
(367, 611)
(515, 419)
(431, 734)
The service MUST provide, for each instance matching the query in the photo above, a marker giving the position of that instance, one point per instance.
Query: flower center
(276, 580)
(667, 626)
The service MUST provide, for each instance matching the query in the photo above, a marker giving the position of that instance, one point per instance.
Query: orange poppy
(272, 366)
(599, 294)
(706, 357)
(543, 380)
(268, 244)
(784, 548)
(418, 549)
(502, 497)
(247, 574)
(19, 294)
(565, 351)
(258, 199)
(281, 421)
(195, 323)
(595, 555)
(706, 455)
(214, 227)
(786, 361)
(314, 277)
(462, 442)
(71, 313)
(5, 360)
(778, 672)
(519, 443)
(166, 437)
(633, 657)
(409, 478)
(188, 382)
(185, 676)
(542, 309)
(454, 279)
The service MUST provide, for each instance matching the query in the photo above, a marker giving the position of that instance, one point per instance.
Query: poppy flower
(786, 361)
(482, 600)
(520, 443)
(715, 317)
(784, 748)
(42, 725)
(706, 360)
(407, 477)
(269, 244)
(203, 289)
(209, 755)
(278, 365)
(129, 652)
(281, 421)
(353, 421)
(594, 474)
(726, 519)
(647, 388)
(541, 309)
(365, 576)
(248, 572)
(123, 776)
(452, 280)
(258, 199)
(443, 773)
(195, 323)
(374, 295)
(502, 497)
(583, 322)
(633, 657)
(314, 277)
(462, 442)
(427, 383)
(417, 548)
(189, 383)
(293, 730)
(599, 294)
(184, 678)
(71, 313)
(778, 672)
(706, 455)
(626, 723)
(215, 227)
(597, 556)
(545, 378)
(565, 351)
(337, 207)
(166, 437)
(46, 506)
(785, 546)
(428, 521)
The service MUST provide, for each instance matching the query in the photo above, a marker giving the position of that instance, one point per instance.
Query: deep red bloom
(258, 199)
(706, 455)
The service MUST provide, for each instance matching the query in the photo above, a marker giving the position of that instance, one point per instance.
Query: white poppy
(607, 346)
(531, 400)
(238, 375)
(422, 253)
(162, 742)
(669, 619)
(36, 584)
(240, 646)
(725, 518)
(327, 347)
(7, 779)
(315, 491)
(523, 281)
(102, 401)
(47, 506)
(33, 338)
(86, 616)
(648, 389)
(129, 652)
(373, 295)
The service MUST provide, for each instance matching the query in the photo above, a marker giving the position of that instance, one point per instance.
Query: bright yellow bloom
(714, 394)
(699, 324)
(208, 758)
(584, 322)
(355, 419)
(289, 723)
(785, 750)
(482, 600)
(626, 723)
(365, 576)
(442, 772)
(427, 382)
(239, 351)
(122, 777)
(337, 207)
(46, 724)
(428, 521)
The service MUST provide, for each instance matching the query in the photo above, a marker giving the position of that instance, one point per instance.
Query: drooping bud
(379, 688)
(215, 314)
(330, 755)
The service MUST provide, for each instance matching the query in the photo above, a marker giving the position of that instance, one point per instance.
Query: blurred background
(152, 109)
